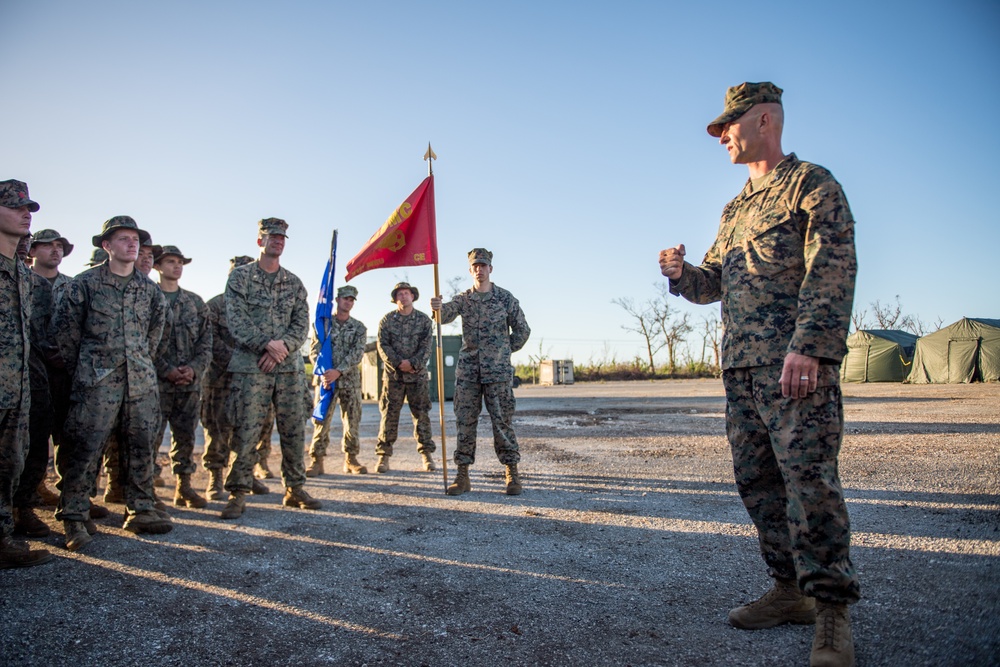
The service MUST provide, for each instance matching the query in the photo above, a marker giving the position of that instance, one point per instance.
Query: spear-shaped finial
(430, 156)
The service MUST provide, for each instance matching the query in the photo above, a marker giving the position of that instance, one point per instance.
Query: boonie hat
(170, 250)
(240, 260)
(14, 194)
(51, 236)
(121, 222)
(99, 256)
(399, 286)
(742, 98)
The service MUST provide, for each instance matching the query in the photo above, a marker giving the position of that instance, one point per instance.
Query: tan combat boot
(77, 535)
(352, 466)
(428, 462)
(383, 464)
(113, 492)
(297, 497)
(461, 483)
(513, 478)
(784, 603)
(833, 644)
(27, 523)
(49, 497)
(259, 488)
(17, 553)
(260, 469)
(147, 521)
(215, 490)
(158, 481)
(315, 468)
(184, 495)
(234, 508)
(98, 512)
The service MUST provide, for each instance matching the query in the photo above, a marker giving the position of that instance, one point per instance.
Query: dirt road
(628, 547)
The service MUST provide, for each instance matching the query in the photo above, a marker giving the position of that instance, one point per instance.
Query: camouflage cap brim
(144, 236)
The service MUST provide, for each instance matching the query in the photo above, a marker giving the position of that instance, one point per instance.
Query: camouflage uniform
(405, 337)
(36, 460)
(493, 327)
(261, 307)
(348, 340)
(15, 383)
(215, 392)
(783, 265)
(186, 342)
(107, 334)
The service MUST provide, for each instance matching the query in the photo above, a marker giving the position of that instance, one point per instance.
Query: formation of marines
(103, 362)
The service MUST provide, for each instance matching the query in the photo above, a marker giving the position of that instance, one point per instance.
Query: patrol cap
(170, 250)
(14, 194)
(99, 256)
(399, 286)
(121, 222)
(480, 256)
(240, 260)
(740, 99)
(347, 290)
(273, 226)
(51, 236)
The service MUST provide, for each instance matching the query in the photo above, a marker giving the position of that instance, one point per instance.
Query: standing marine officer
(182, 358)
(106, 328)
(783, 265)
(493, 327)
(48, 249)
(348, 337)
(269, 319)
(404, 344)
(15, 386)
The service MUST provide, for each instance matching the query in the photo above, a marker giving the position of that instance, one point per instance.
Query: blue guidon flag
(324, 314)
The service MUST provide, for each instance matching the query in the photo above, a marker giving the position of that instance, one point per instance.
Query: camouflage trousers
(94, 415)
(180, 410)
(264, 445)
(785, 462)
(468, 404)
(13, 443)
(36, 459)
(417, 396)
(349, 399)
(219, 430)
(251, 397)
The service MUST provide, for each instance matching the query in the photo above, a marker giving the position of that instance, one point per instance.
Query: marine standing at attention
(404, 344)
(15, 386)
(106, 328)
(182, 359)
(348, 337)
(783, 265)
(493, 327)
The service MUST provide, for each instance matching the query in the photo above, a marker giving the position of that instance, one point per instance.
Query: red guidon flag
(407, 238)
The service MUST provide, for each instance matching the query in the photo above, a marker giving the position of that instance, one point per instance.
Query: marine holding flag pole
(409, 238)
(324, 330)
(439, 357)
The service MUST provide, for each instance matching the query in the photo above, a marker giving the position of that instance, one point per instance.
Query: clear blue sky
(571, 137)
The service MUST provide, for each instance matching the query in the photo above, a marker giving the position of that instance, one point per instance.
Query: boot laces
(828, 630)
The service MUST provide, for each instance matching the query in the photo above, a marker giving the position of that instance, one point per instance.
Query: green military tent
(966, 351)
(878, 355)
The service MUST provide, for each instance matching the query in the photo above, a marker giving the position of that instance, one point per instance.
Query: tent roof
(987, 321)
(902, 338)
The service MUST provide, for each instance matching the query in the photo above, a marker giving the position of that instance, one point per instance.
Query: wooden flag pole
(430, 157)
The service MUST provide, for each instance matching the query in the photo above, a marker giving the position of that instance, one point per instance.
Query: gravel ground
(628, 547)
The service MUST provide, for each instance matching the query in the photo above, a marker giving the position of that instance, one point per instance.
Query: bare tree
(859, 318)
(644, 323)
(711, 336)
(889, 316)
(675, 331)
